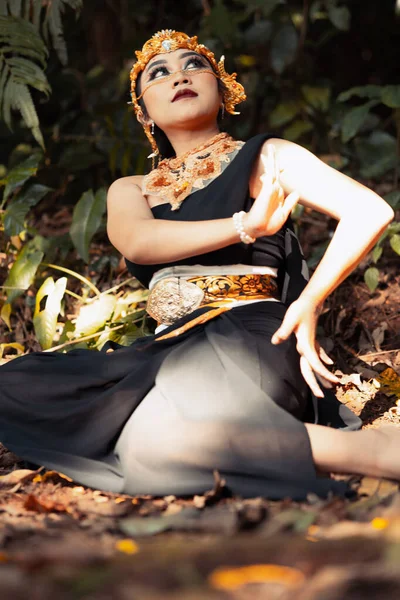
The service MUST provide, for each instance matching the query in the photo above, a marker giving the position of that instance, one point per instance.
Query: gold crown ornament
(169, 40)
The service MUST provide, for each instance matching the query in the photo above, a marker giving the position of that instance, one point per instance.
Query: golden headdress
(169, 40)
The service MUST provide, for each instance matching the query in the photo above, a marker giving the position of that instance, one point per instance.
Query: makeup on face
(158, 70)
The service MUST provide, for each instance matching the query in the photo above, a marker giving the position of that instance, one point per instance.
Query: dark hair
(163, 143)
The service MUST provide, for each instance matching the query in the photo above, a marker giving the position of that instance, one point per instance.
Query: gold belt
(175, 297)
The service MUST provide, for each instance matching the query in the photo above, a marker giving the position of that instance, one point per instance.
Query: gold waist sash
(174, 297)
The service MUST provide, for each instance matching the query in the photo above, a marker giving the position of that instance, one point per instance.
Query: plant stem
(77, 275)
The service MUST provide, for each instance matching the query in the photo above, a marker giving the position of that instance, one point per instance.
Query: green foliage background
(323, 73)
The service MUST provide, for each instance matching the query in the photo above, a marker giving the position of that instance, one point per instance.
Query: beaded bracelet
(238, 223)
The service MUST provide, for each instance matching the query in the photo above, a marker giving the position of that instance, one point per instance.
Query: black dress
(158, 417)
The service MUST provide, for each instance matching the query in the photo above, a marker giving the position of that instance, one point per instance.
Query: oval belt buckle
(173, 298)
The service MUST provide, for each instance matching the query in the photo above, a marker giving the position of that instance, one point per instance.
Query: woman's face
(179, 90)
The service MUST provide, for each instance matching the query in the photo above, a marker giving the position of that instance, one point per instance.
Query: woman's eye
(196, 62)
(155, 73)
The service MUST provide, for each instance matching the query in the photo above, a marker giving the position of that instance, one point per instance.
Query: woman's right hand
(270, 209)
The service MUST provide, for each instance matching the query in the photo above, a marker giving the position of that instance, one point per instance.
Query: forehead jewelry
(166, 41)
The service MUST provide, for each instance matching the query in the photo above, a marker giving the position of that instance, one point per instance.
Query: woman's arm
(362, 216)
(141, 238)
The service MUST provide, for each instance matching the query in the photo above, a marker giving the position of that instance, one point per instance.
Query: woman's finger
(317, 366)
(285, 330)
(290, 202)
(267, 176)
(309, 377)
(323, 381)
(323, 356)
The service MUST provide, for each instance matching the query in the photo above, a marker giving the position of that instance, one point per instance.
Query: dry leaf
(371, 486)
(378, 335)
(52, 476)
(172, 509)
(379, 523)
(390, 382)
(233, 578)
(17, 476)
(127, 546)
(39, 505)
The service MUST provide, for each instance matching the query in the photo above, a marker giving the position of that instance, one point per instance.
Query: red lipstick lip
(183, 93)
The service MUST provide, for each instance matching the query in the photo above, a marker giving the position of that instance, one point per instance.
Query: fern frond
(25, 105)
(14, 6)
(18, 34)
(21, 43)
(26, 72)
(25, 51)
(53, 25)
(8, 100)
(36, 13)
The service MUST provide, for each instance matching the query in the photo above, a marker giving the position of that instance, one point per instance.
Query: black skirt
(158, 417)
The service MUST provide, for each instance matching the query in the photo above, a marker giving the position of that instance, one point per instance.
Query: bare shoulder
(132, 181)
(287, 151)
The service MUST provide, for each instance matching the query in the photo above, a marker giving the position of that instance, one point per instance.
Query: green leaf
(284, 48)
(377, 253)
(339, 16)
(27, 109)
(354, 120)
(283, 113)
(80, 157)
(393, 198)
(20, 42)
(94, 316)
(221, 22)
(5, 314)
(45, 321)
(391, 96)
(27, 72)
(14, 345)
(21, 173)
(22, 273)
(53, 25)
(14, 7)
(297, 129)
(86, 220)
(377, 153)
(264, 6)
(365, 91)
(259, 32)
(68, 329)
(371, 278)
(317, 97)
(18, 208)
(395, 243)
(393, 228)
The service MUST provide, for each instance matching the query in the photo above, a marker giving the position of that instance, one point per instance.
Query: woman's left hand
(301, 319)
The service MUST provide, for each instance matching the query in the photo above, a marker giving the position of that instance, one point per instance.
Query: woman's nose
(181, 78)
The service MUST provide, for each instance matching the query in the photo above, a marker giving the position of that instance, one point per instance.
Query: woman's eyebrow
(156, 62)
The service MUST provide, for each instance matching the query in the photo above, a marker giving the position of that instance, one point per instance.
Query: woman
(225, 382)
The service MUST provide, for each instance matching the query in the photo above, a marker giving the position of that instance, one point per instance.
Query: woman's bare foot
(373, 452)
(387, 445)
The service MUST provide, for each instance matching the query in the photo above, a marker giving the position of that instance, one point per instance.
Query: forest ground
(61, 539)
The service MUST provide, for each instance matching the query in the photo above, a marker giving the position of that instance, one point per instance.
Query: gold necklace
(175, 178)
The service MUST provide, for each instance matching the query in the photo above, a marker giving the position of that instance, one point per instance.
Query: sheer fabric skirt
(160, 417)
